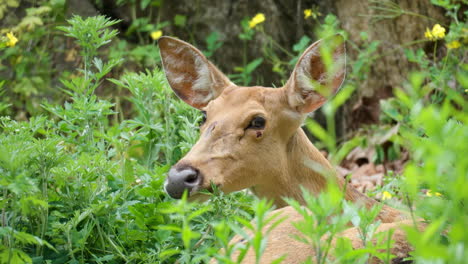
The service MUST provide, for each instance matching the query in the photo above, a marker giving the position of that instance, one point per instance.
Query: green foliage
(212, 44)
(429, 117)
(28, 63)
(432, 112)
(328, 214)
(433, 132)
(155, 108)
(90, 34)
(7, 4)
(78, 189)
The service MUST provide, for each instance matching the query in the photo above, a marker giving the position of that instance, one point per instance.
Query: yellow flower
(428, 34)
(11, 39)
(386, 195)
(156, 34)
(454, 44)
(307, 13)
(430, 193)
(257, 19)
(437, 32)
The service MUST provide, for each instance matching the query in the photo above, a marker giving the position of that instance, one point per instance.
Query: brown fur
(273, 161)
(281, 241)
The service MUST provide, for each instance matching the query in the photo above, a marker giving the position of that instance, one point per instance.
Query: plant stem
(5, 194)
(244, 62)
(410, 206)
(134, 18)
(45, 212)
(276, 44)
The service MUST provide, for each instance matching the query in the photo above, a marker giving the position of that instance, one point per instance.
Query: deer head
(247, 138)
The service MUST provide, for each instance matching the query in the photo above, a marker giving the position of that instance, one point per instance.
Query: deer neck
(305, 166)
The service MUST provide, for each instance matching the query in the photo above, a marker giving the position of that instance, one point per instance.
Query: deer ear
(192, 77)
(318, 74)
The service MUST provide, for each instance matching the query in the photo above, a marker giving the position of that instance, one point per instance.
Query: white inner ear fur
(303, 70)
(303, 81)
(203, 82)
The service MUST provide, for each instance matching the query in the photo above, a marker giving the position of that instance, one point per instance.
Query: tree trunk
(391, 67)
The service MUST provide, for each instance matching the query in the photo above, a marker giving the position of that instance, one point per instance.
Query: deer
(251, 138)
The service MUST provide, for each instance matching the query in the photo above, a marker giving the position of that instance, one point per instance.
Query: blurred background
(377, 32)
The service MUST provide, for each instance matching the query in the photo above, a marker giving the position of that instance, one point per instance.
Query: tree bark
(391, 67)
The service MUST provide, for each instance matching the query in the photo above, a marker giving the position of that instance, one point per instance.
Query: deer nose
(181, 178)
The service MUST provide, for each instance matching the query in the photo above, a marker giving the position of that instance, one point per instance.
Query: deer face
(247, 131)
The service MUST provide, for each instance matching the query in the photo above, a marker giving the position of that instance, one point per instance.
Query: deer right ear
(192, 77)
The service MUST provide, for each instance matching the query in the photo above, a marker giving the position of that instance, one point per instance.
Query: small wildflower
(257, 19)
(11, 39)
(430, 193)
(454, 44)
(307, 13)
(437, 32)
(156, 34)
(386, 196)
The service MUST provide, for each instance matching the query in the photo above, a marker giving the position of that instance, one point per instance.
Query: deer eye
(257, 122)
(203, 120)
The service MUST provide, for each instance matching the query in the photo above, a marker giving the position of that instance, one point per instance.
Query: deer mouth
(202, 194)
(197, 193)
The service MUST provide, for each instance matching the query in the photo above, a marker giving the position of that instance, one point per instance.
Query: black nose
(181, 178)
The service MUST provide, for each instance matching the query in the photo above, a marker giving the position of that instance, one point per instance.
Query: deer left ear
(318, 74)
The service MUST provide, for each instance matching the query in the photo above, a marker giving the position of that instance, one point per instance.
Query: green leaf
(31, 22)
(303, 43)
(13, 255)
(144, 4)
(168, 253)
(253, 65)
(180, 20)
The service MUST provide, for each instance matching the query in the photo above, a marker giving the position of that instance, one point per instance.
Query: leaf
(279, 260)
(174, 228)
(180, 20)
(144, 4)
(128, 173)
(30, 22)
(12, 3)
(38, 11)
(25, 238)
(300, 46)
(105, 258)
(253, 65)
(198, 213)
(212, 43)
(98, 64)
(168, 253)
(17, 256)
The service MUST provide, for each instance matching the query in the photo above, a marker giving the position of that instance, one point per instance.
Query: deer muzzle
(181, 178)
